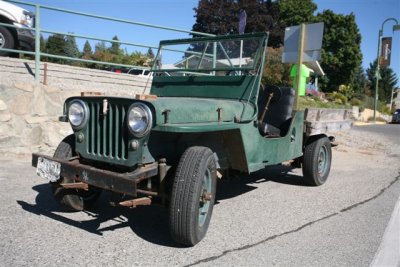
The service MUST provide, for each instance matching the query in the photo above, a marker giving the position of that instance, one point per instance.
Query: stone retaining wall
(29, 111)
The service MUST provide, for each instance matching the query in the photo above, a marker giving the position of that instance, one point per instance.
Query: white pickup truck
(23, 36)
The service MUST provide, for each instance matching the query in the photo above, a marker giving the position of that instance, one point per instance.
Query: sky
(370, 15)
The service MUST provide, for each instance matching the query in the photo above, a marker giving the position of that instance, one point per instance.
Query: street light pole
(377, 73)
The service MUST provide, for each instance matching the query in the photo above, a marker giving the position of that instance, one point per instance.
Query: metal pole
(37, 43)
(299, 65)
(377, 74)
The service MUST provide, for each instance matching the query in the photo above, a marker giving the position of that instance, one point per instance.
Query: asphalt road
(268, 218)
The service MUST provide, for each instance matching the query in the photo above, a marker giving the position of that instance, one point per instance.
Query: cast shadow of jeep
(149, 223)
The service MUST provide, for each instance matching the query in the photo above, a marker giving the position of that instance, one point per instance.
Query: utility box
(304, 74)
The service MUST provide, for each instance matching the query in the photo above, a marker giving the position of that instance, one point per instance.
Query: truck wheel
(71, 199)
(193, 195)
(6, 41)
(317, 161)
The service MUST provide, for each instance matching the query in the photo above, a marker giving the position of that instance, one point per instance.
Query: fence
(38, 54)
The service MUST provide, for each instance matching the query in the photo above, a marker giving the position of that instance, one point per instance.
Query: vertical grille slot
(107, 137)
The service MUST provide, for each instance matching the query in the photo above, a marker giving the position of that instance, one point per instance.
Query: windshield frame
(260, 37)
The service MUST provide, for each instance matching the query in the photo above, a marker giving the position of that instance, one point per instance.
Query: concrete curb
(388, 253)
(361, 123)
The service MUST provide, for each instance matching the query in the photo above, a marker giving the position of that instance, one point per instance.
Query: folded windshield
(210, 54)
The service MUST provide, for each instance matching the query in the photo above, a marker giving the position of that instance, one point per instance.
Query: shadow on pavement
(149, 222)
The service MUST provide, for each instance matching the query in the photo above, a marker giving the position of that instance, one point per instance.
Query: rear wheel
(193, 195)
(71, 199)
(6, 41)
(317, 161)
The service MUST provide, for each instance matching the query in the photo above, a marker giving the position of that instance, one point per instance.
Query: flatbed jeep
(207, 113)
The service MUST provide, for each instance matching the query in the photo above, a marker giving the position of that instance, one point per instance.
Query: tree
(386, 84)
(275, 72)
(222, 17)
(71, 49)
(87, 53)
(341, 52)
(150, 53)
(87, 50)
(43, 42)
(56, 46)
(360, 81)
(115, 46)
(100, 47)
(295, 12)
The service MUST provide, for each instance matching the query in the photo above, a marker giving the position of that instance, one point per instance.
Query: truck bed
(326, 121)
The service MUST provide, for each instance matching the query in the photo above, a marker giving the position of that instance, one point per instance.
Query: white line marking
(388, 253)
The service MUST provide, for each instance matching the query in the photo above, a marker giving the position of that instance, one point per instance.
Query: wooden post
(299, 65)
(45, 74)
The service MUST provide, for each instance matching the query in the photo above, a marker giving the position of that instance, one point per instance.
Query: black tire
(71, 199)
(193, 195)
(317, 160)
(6, 41)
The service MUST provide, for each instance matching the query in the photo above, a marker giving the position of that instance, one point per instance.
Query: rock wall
(29, 111)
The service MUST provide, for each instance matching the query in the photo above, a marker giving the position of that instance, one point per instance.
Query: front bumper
(396, 119)
(26, 37)
(125, 183)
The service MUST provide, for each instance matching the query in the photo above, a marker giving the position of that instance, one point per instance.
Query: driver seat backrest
(279, 113)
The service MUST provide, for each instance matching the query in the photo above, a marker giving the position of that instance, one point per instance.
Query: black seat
(278, 117)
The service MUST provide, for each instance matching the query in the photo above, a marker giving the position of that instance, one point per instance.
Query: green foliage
(87, 49)
(43, 43)
(222, 17)
(71, 49)
(346, 90)
(56, 45)
(385, 109)
(115, 48)
(275, 72)
(360, 83)
(295, 12)
(386, 84)
(338, 98)
(315, 102)
(66, 46)
(341, 52)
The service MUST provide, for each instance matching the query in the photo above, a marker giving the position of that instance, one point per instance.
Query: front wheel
(317, 161)
(71, 199)
(6, 41)
(193, 195)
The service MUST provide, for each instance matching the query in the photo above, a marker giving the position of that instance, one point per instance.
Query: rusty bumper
(125, 183)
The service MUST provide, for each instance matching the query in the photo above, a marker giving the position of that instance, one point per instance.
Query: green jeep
(206, 113)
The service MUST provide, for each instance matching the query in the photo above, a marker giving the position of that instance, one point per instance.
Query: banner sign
(242, 21)
(386, 51)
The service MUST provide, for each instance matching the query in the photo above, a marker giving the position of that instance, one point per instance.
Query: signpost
(302, 44)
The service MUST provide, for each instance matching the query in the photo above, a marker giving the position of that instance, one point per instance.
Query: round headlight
(139, 119)
(77, 113)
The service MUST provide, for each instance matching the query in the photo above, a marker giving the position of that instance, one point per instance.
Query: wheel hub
(322, 160)
(205, 197)
(2, 42)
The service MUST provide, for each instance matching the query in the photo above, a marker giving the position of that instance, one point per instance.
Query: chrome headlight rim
(149, 116)
(85, 114)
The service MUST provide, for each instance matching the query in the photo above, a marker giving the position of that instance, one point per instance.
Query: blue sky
(179, 14)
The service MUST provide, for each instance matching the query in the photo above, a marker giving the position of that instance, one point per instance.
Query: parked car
(396, 116)
(23, 36)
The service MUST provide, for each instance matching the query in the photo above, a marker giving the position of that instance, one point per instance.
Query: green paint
(219, 112)
(304, 74)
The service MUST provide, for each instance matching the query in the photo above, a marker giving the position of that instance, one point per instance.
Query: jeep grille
(107, 132)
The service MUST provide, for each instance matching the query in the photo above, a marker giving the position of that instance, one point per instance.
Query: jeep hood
(184, 110)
